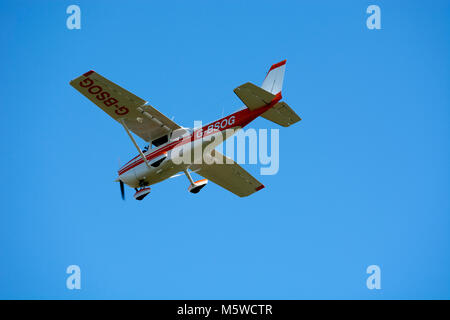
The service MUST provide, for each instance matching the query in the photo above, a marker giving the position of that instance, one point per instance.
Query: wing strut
(189, 177)
(135, 144)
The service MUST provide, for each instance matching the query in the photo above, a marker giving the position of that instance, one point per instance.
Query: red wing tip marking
(277, 65)
(260, 187)
(88, 73)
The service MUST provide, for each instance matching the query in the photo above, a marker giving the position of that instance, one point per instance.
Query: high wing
(140, 117)
(229, 175)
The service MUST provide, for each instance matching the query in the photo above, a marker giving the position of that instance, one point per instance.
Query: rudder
(273, 82)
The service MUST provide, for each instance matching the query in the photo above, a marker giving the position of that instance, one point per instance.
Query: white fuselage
(136, 173)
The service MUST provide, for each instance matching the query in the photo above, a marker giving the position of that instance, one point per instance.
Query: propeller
(122, 190)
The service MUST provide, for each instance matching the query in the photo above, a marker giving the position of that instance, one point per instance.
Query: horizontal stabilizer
(281, 114)
(253, 96)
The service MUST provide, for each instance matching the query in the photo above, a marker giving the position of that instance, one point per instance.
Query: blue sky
(364, 178)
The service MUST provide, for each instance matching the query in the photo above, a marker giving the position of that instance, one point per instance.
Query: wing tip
(260, 187)
(88, 73)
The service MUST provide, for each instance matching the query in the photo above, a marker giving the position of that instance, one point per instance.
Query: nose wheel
(141, 193)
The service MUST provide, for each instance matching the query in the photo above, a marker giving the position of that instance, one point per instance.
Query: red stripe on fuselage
(276, 65)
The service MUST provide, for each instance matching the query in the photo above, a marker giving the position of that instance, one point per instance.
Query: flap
(229, 175)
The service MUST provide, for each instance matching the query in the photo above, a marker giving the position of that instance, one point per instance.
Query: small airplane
(157, 161)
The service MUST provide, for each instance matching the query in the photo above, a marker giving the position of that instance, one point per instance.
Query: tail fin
(274, 78)
(255, 97)
(280, 113)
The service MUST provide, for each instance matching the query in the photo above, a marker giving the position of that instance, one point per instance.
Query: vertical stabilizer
(274, 78)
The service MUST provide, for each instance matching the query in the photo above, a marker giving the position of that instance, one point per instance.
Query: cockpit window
(160, 141)
(181, 132)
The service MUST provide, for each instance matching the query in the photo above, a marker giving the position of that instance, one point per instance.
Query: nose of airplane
(128, 177)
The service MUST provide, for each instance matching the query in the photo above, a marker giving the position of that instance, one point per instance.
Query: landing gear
(196, 186)
(142, 193)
